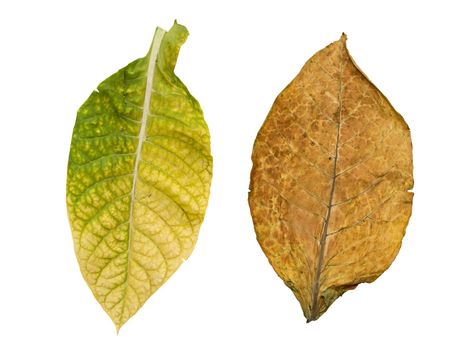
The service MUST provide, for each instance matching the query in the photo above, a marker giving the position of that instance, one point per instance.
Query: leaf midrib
(155, 46)
(314, 307)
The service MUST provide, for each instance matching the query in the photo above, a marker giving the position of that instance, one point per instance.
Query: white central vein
(143, 133)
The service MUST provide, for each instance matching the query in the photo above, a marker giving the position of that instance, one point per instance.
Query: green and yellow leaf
(139, 177)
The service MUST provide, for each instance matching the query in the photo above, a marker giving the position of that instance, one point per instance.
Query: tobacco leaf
(138, 179)
(329, 192)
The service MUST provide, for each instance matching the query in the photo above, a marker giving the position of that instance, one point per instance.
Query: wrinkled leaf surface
(138, 181)
(332, 170)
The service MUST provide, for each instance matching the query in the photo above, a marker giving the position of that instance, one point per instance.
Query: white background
(239, 56)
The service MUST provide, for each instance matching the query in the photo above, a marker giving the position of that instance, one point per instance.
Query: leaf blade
(328, 156)
(138, 180)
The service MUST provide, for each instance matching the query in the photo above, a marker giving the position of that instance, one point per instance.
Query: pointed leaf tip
(343, 38)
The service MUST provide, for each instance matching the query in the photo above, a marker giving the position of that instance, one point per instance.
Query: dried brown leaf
(332, 170)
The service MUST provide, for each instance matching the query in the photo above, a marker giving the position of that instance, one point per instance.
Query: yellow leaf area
(332, 170)
(138, 181)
